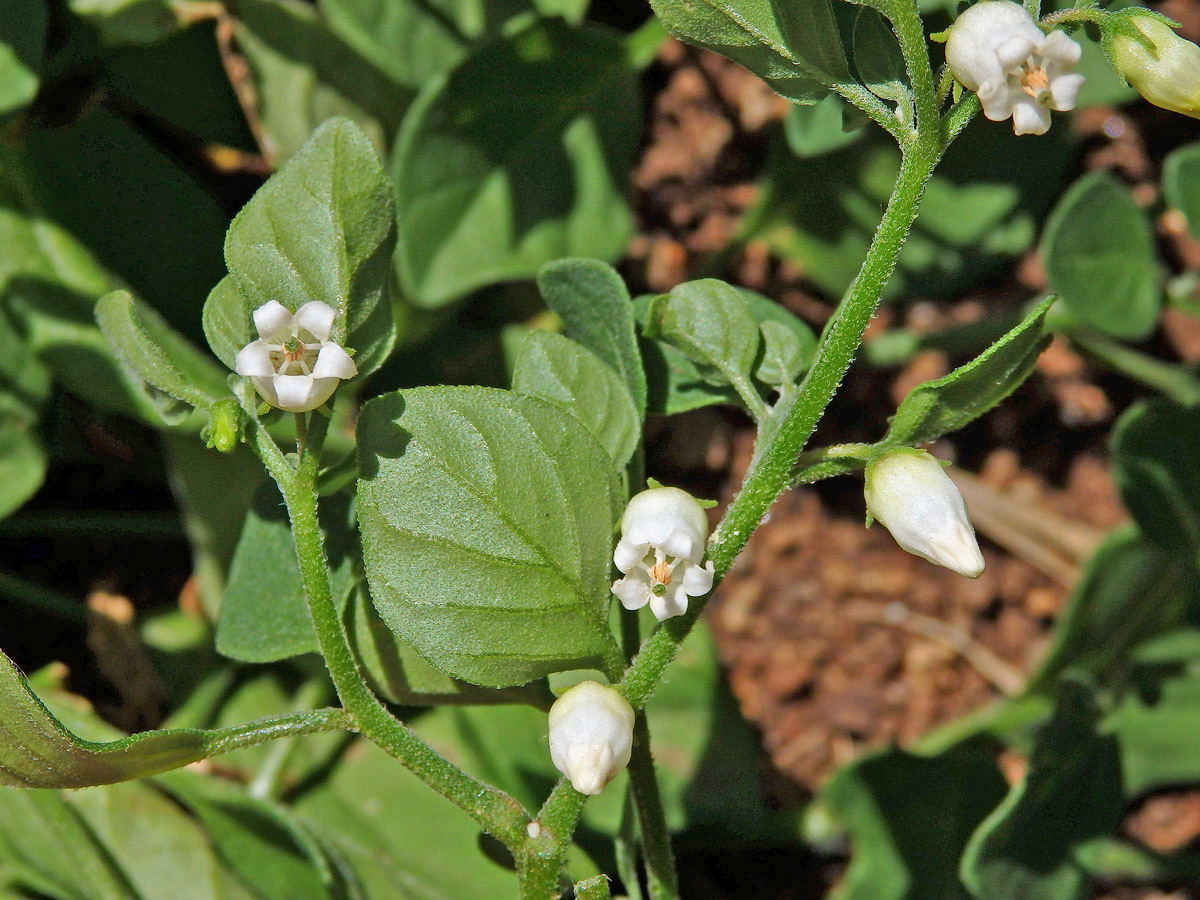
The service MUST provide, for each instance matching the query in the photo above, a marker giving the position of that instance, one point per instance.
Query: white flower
(997, 50)
(910, 493)
(661, 548)
(293, 364)
(1167, 75)
(591, 735)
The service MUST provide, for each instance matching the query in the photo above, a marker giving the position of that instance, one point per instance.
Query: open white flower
(591, 735)
(660, 552)
(911, 494)
(996, 49)
(294, 365)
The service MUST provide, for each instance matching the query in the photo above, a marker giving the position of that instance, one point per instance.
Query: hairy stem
(656, 836)
(493, 810)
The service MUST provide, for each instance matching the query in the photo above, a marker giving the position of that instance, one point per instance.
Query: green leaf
(388, 833)
(321, 229)
(305, 74)
(818, 129)
(677, 385)
(1181, 184)
(22, 45)
(127, 21)
(264, 611)
(153, 352)
(748, 32)
(878, 61)
(710, 323)
(228, 326)
(593, 302)
(37, 751)
(1130, 590)
(181, 82)
(262, 842)
(22, 457)
(558, 370)
(783, 355)
(909, 818)
(1152, 445)
(489, 190)
(161, 851)
(980, 211)
(486, 521)
(948, 403)
(1071, 793)
(38, 829)
(142, 214)
(1099, 252)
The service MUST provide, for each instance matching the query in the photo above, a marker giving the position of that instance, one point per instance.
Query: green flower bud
(1166, 73)
(224, 427)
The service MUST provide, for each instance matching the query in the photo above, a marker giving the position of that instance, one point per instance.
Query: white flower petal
(590, 735)
(633, 592)
(673, 603)
(273, 321)
(659, 515)
(1064, 91)
(698, 580)
(1061, 49)
(996, 99)
(295, 393)
(334, 362)
(255, 359)
(1014, 52)
(628, 554)
(316, 318)
(266, 389)
(1030, 117)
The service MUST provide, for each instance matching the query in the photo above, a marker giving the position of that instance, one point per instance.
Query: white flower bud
(910, 493)
(591, 735)
(294, 365)
(1167, 75)
(663, 534)
(996, 49)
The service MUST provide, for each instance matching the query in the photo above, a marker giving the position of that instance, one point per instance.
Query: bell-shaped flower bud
(591, 735)
(996, 49)
(294, 365)
(663, 534)
(1167, 73)
(910, 493)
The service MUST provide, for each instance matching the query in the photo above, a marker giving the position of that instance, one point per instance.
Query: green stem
(268, 780)
(541, 859)
(910, 32)
(493, 810)
(771, 471)
(656, 836)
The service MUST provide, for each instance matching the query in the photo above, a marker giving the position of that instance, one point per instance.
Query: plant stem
(540, 860)
(910, 32)
(771, 471)
(656, 836)
(494, 811)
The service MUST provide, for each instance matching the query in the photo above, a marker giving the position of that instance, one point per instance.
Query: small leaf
(877, 58)
(947, 404)
(818, 129)
(676, 384)
(127, 21)
(37, 751)
(1181, 184)
(558, 370)
(22, 457)
(783, 355)
(909, 818)
(748, 32)
(710, 323)
(156, 354)
(1130, 590)
(1152, 448)
(227, 322)
(593, 302)
(322, 229)
(22, 45)
(1099, 252)
(490, 190)
(486, 521)
(264, 611)
(1071, 793)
